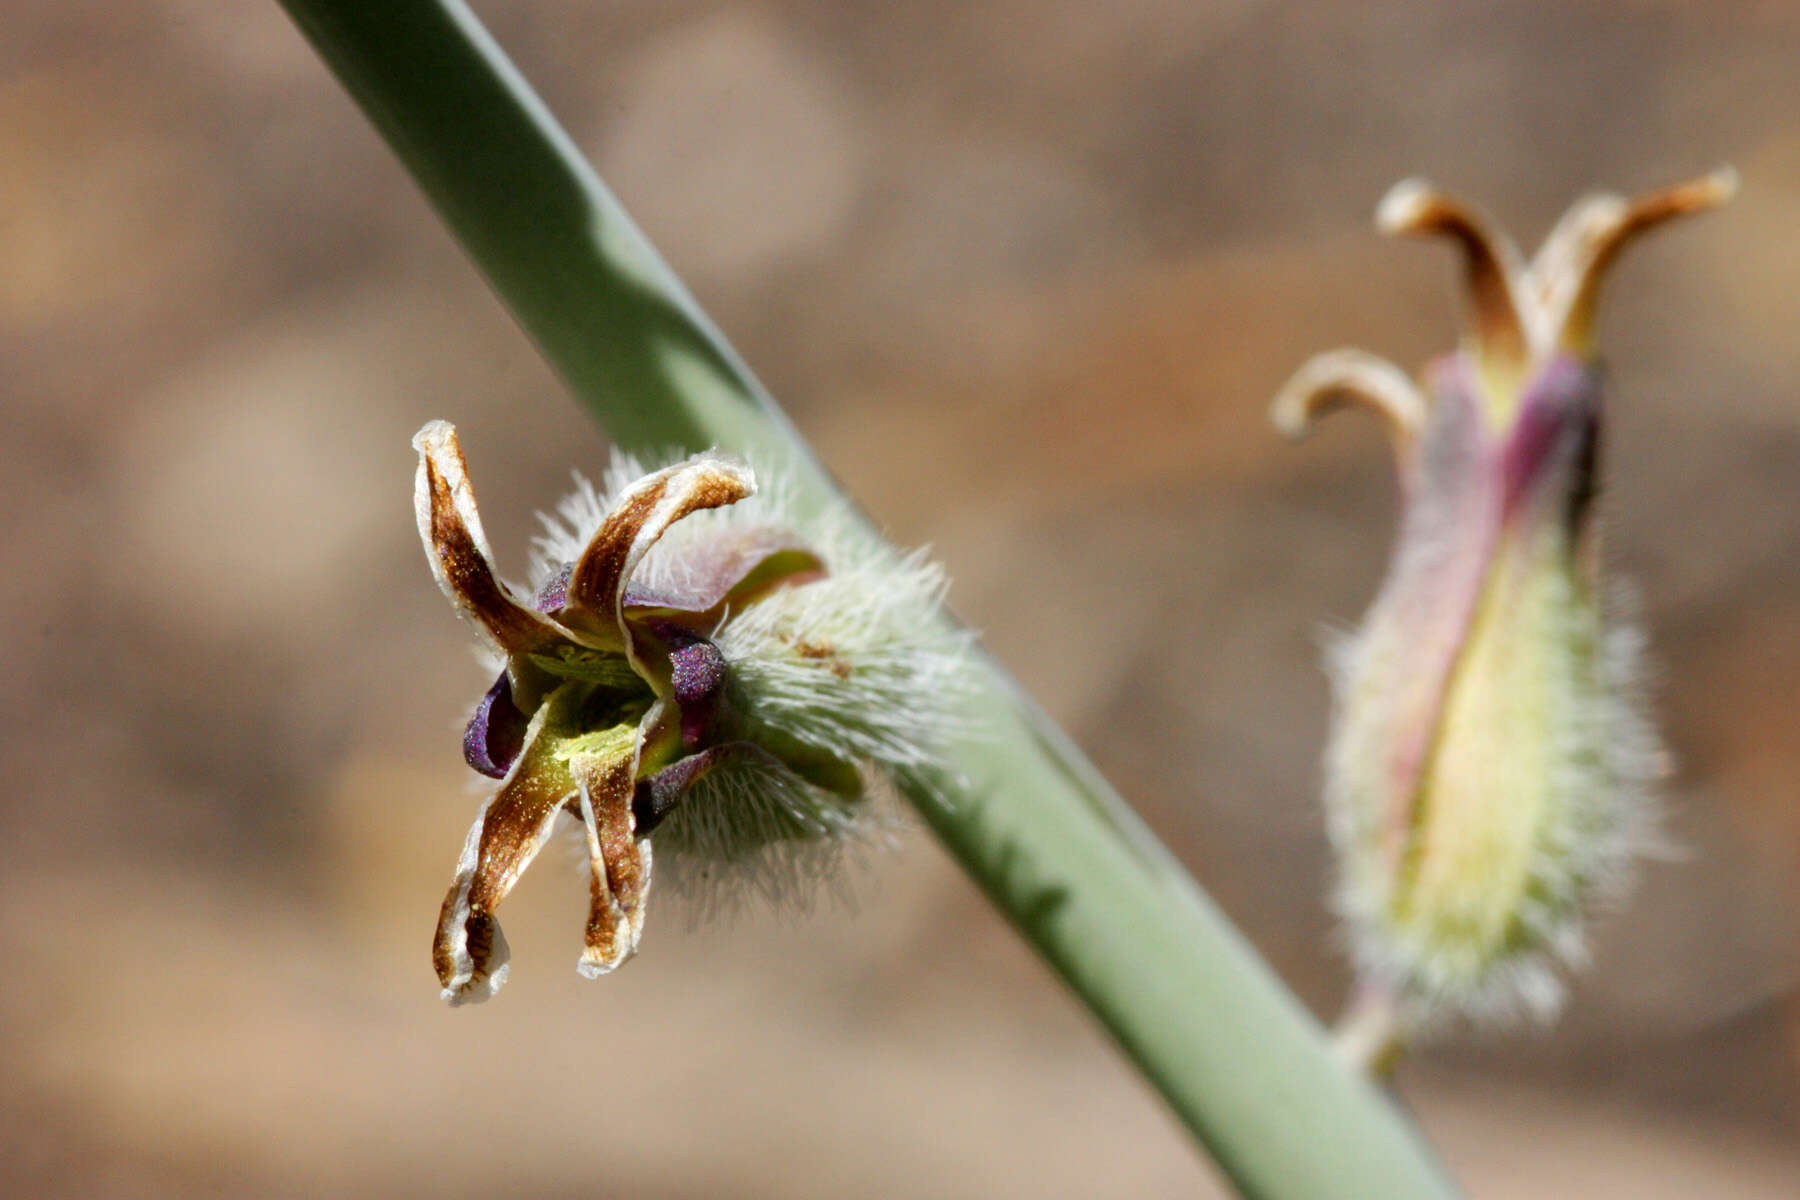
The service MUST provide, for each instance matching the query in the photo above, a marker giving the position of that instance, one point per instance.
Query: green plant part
(1491, 772)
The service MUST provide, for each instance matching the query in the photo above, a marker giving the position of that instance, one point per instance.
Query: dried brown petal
(450, 527)
(1344, 377)
(643, 514)
(620, 862)
(1490, 261)
(470, 952)
(1586, 242)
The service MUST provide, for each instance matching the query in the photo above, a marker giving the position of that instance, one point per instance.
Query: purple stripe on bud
(1556, 417)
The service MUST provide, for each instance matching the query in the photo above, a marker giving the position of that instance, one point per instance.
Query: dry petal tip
(1490, 261)
(450, 528)
(1581, 250)
(1722, 183)
(483, 984)
(1405, 206)
(441, 493)
(470, 952)
(1343, 377)
(594, 965)
(619, 862)
(434, 437)
(1710, 190)
(640, 516)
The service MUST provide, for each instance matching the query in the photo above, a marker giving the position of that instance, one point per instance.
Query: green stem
(1235, 1055)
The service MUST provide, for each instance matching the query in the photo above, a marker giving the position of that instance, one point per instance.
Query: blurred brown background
(1005, 263)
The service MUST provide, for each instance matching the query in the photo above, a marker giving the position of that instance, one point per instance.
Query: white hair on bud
(854, 662)
(755, 832)
(1609, 766)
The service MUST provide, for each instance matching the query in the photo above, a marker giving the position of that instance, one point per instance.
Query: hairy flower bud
(1488, 775)
(685, 667)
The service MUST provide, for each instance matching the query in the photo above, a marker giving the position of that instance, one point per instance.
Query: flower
(683, 668)
(1489, 773)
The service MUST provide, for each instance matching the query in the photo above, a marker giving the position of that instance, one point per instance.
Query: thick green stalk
(1232, 1051)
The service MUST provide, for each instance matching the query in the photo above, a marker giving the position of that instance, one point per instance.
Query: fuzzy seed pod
(1490, 772)
(688, 668)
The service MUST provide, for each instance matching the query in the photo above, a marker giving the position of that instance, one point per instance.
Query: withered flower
(1489, 774)
(681, 667)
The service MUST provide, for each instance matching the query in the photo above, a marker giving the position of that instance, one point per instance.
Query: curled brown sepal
(470, 952)
(641, 515)
(450, 527)
(619, 860)
(1575, 258)
(1492, 265)
(1523, 314)
(1344, 377)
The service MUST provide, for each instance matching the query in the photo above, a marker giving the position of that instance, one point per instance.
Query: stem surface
(1234, 1054)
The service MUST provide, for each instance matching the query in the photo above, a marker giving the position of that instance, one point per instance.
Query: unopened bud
(1490, 772)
